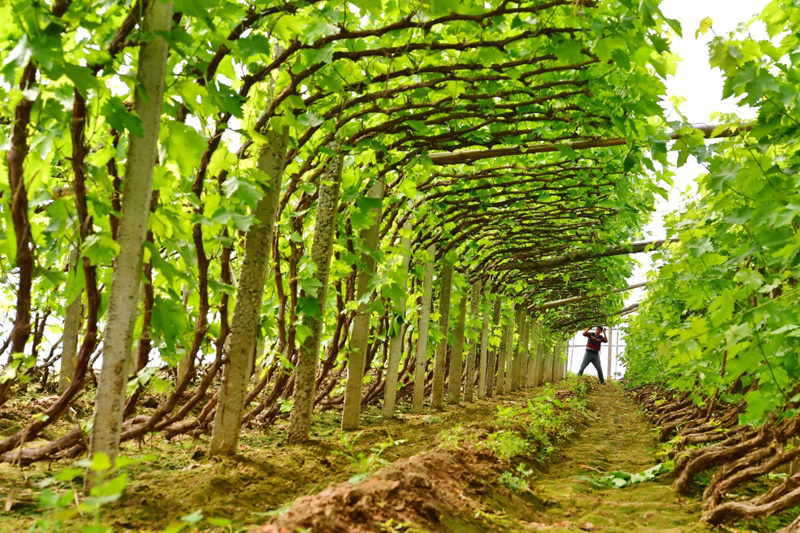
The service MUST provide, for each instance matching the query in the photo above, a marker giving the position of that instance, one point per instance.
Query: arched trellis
(392, 86)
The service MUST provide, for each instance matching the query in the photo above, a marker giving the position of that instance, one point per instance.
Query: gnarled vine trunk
(249, 295)
(321, 251)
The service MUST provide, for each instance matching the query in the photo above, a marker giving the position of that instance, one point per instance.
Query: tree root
(757, 507)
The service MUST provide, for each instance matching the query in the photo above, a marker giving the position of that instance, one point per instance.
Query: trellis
(469, 116)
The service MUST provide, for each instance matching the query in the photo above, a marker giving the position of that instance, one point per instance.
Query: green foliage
(619, 479)
(517, 480)
(531, 430)
(723, 305)
(339, 74)
(62, 498)
(506, 444)
(365, 463)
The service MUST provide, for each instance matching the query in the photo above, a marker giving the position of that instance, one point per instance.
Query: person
(594, 339)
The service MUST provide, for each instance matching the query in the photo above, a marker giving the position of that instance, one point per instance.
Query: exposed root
(755, 508)
(738, 454)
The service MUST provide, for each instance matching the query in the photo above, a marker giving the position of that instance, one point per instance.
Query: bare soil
(458, 490)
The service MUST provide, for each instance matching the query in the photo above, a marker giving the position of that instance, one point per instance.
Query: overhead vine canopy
(247, 209)
(501, 132)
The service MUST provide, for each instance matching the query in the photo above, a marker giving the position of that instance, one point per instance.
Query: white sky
(701, 86)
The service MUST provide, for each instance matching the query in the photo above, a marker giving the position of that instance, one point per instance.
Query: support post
(511, 347)
(522, 371)
(474, 310)
(491, 369)
(424, 328)
(456, 356)
(610, 342)
(246, 319)
(359, 340)
(483, 374)
(437, 389)
(397, 328)
(123, 300)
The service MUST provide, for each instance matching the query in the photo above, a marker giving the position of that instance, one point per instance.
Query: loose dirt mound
(438, 490)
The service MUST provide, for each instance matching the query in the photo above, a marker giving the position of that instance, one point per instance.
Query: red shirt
(594, 341)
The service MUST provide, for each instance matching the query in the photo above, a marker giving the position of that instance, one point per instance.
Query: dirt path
(617, 439)
(465, 488)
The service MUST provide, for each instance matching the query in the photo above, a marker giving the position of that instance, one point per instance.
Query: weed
(63, 497)
(506, 444)
(619, 479)
(392, 525)
(452, 438)
(365, 463)
(518, 480)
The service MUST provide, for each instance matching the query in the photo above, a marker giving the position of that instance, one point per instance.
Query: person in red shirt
(594, 340)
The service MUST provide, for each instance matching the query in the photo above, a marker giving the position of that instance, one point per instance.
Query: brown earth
(266, 475)
(458, 490)
(440, 478)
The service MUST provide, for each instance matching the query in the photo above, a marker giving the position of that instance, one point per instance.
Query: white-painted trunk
(437, 392)
(475, 302)
(396, 341)
(124, 295)
(424, 328)
(457, 354)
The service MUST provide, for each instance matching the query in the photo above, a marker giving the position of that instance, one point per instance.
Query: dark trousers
(593, 357)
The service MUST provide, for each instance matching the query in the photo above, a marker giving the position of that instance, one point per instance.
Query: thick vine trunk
(18, 150)
(185, 364)
(359, 339)
(321, 251)
(750, 509)
(397, 328)
(72, 326)
(424, 328)
(456, 356)
(437, 388)
(475, 302)
(124, 295)
(484, 362)
(584, 255)
(249, 296)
